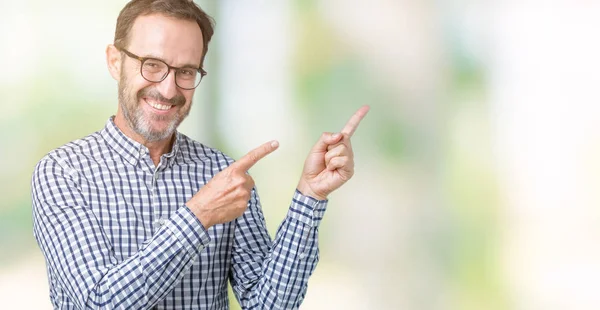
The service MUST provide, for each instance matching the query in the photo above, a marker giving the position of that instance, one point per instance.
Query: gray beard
(134, 116)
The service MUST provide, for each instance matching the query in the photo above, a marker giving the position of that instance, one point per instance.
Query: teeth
(158, 106)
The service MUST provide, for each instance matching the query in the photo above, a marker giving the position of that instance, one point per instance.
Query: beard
(141, 122)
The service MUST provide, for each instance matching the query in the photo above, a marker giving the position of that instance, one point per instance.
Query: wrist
(203, 217)
(305, 190)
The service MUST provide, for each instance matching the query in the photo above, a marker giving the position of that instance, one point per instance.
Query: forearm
(292, 259)
(154, 270)
(93, 278)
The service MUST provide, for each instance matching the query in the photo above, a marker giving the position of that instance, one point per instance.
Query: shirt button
(160, 222)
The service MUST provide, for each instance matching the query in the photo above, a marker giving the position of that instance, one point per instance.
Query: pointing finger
(355, 120)
(250, 159)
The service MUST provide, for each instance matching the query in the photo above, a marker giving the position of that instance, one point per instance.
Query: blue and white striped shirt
(116, 233)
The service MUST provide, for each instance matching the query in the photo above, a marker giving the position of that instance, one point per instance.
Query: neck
(156, 148)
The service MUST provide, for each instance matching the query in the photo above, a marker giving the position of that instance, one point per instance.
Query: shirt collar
(131, 150)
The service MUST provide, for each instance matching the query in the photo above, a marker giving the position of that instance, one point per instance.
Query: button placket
(160, 222)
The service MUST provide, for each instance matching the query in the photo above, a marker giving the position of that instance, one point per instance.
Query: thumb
(327, 139)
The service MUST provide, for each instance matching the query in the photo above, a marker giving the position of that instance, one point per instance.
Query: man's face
(154, 110)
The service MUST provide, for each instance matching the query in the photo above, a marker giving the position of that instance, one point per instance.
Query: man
(139, 216)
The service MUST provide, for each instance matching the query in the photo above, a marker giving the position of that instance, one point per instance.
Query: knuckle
(225, 173)
(241, 192)
(348, 162)
(253, 157)
(265, 149)
(242, 205)
(238, 209)
(242, 196)
(237, 181)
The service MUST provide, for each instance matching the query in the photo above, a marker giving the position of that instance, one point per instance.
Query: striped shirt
(116, 234)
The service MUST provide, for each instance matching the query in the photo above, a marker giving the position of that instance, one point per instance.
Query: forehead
(177, 41)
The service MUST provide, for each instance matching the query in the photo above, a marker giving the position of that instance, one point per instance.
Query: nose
(167, 87)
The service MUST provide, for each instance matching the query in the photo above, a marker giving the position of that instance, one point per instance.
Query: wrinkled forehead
(177, 41)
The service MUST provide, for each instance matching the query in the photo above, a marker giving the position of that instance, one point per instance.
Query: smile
(157, 105)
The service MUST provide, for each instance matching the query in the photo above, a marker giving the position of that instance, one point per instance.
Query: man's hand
(330, 162)
(225, 197)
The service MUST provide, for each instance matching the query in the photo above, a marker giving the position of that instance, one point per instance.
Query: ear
(113, 61)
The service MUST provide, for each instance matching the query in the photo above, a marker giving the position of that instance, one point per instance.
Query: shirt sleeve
(275, 275)
(79, 254)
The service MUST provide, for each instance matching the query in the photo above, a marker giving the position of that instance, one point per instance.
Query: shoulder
(74, 154)
(194, 151)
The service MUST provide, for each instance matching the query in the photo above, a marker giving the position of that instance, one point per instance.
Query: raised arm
(275, 276)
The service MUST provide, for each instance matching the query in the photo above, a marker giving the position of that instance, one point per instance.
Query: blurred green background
(476, 169)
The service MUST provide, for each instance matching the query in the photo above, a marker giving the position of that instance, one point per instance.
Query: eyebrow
(163, 60)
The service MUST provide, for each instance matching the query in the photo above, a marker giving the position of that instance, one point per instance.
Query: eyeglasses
(155, 71)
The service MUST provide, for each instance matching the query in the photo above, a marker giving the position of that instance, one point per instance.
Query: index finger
(250, 159)
(352, 124)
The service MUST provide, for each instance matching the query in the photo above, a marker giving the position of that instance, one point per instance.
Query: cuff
(188, 229)
(307, 210)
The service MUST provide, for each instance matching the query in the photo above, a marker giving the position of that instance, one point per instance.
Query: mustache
(179, 99)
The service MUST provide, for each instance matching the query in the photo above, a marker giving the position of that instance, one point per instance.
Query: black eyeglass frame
(144, 59)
